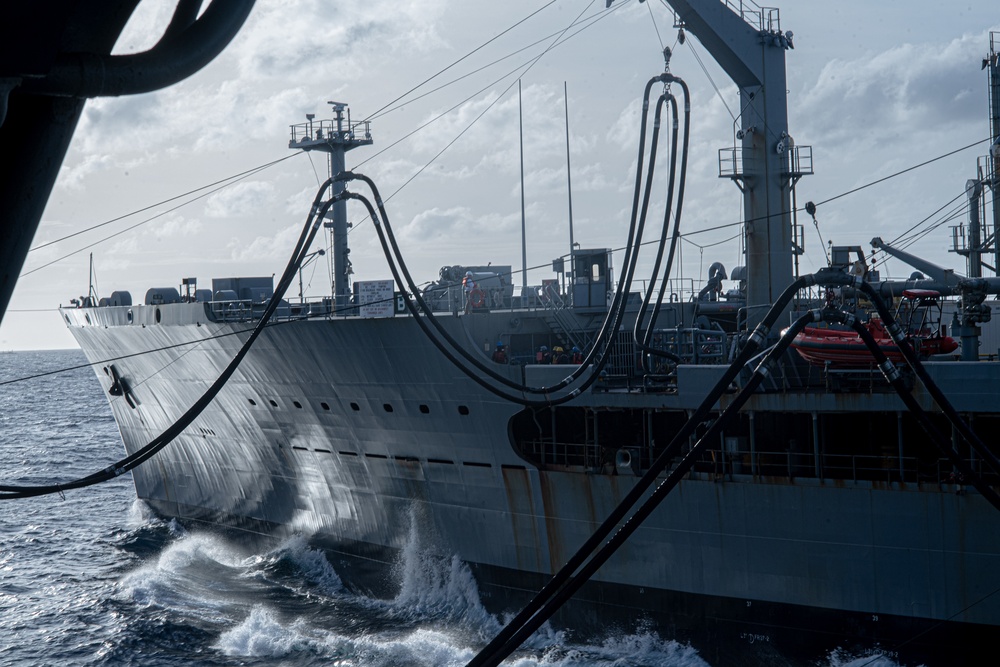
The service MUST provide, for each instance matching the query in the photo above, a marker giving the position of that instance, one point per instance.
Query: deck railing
(787, 465)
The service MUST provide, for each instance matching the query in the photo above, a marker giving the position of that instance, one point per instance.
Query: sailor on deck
(468, 284)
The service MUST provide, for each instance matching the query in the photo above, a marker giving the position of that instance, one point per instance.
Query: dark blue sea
(94, 578)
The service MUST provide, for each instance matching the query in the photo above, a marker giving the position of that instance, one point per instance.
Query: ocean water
(94, 578)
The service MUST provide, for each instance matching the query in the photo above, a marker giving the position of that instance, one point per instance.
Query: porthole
(271, 401)
(297, 404)
(324, 406)
(463, 410)
(67, 319)
(252, 402)
(424, 409)
(387, 407)
(86, 316)
(157, 315)
(355, 407)
(128, 316)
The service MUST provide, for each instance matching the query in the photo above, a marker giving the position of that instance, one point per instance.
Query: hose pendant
(896, 332)
(764, 368)
(890, 372)
(849, 319)
(759, 334)
(817, 315)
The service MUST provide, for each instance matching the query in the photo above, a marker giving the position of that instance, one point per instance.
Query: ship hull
(357, 433)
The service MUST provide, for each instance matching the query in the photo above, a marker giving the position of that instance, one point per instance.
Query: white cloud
(74, 176)
(240, 200)
(437, 224)
(271, 249)
(176, 227)
(911, 89)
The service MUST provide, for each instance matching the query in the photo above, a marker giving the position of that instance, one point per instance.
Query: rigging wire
(527, 65)
(710, 245)
(603, 14)
(959, 211)
(718, 92)
(900, 173)
(559, 40)
(685, 237)
(313, 224)
(597, 353)
(520, 70)
(243, 176)
(653, 19)
(378, 112)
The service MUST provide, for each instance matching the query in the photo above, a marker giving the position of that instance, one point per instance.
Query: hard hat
(543, 348)
(499, 343)
(576, 349)
(468, 274)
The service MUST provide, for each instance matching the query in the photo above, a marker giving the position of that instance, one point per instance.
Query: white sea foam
(191, 573)
(437, 586)
(421, 648)
(311, 563)
(634, 650)
(873, 658)
(140, 515)
(260, 635)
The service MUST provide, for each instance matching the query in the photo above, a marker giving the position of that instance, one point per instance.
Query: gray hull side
(357, 472)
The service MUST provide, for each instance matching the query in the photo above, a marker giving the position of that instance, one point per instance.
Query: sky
(874, 88)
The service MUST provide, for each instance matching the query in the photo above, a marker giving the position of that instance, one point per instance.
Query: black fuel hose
(940, 441)
(499, 649)
(644, 342)
(313, 222)
(569, 579)
(753, 344)
(422, 323)
(675, 237)
(616, 311)
(899, 338)
(661, 245)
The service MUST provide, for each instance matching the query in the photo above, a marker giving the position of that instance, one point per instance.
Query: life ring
(477, 298)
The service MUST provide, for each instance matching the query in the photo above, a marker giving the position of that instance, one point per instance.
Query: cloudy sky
(872, 89)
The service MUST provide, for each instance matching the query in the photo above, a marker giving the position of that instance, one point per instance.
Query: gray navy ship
(842, 503)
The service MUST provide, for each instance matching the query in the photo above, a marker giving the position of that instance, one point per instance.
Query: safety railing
(763, 465)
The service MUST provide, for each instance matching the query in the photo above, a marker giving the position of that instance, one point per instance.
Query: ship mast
(979, 243)
(335, 137)
(992, 63)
